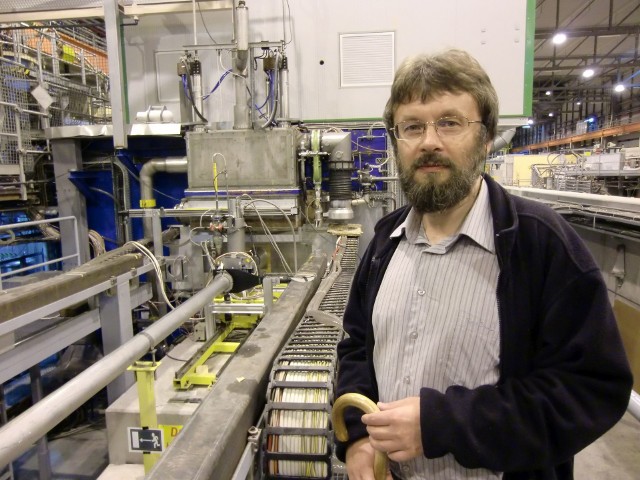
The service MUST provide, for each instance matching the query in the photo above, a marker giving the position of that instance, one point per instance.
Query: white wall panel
(492, 30)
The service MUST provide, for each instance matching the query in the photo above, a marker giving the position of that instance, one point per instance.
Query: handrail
(18, 436)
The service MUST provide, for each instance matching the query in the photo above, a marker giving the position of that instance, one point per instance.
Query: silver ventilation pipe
(502, 140)
(149, 169)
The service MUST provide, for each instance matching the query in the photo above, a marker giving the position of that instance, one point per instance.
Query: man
(477, 319)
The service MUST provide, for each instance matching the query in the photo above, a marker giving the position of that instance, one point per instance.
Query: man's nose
(430, 139)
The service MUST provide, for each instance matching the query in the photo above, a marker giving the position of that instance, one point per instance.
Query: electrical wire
(269, 235)
(218, 83)
(204, 24)
(156, 266)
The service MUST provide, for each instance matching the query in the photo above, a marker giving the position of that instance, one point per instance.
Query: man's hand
(360, 460)
(396, 429)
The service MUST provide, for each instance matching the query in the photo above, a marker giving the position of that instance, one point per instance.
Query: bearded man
(477, 320)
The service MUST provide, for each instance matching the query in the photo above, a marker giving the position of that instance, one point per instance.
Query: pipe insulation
(22, 432)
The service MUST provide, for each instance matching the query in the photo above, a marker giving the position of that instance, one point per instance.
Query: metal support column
(119, 107)
(117, 328)
(67, 156)
(6, 472)
(44, 463)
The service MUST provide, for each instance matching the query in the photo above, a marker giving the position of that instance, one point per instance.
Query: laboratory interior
(187, 188)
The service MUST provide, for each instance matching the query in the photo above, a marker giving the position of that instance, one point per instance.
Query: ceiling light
(578, 102)
(551, 114)
(619, 88)
(588, 73)
(559, 38)
(547, 93)
(530, 121)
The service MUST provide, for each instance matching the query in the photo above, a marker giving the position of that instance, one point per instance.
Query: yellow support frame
(194, 376)
(145, 373)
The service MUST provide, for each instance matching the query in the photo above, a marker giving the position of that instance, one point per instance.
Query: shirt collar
(478, 225)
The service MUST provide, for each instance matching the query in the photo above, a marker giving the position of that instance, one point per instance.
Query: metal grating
(16, 137)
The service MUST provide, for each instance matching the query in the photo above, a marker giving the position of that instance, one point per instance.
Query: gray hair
(423, 77)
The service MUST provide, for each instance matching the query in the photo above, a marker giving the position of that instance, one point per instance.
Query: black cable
(191, 97)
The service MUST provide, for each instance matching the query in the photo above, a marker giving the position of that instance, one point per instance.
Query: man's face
(437, 171)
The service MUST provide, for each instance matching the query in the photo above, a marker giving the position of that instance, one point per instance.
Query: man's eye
(413, 127)
(449, 123)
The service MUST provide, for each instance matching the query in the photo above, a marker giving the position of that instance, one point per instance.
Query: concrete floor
(83, 456)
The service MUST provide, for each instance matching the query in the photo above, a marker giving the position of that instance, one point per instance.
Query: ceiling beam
(576, 32)
(561, 58)
(558, 68)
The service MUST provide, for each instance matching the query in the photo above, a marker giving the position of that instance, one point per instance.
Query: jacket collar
(505, 222)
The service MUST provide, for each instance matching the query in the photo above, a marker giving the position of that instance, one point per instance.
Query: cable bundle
(298, 412)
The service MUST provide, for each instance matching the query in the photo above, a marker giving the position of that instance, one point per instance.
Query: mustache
(431, 160)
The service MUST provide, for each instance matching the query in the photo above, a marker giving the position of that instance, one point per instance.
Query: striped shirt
(435, 322)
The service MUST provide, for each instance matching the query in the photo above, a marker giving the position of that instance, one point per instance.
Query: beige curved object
(380, 460)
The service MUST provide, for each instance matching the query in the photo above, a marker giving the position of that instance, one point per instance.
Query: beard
(431, 195)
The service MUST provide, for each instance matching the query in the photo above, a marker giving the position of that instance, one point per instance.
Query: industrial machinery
(262, 218)
(211, 241)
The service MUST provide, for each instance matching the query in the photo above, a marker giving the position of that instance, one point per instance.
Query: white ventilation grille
(366, 59)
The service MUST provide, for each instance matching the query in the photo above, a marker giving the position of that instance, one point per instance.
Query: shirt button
(407, 379)
(413, 335)
(420, 292)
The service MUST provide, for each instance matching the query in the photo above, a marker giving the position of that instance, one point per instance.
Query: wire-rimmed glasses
(412, 130)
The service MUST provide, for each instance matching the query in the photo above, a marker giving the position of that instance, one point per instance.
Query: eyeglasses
(413, 130)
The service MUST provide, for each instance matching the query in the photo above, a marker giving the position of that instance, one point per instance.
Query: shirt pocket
(473, 356)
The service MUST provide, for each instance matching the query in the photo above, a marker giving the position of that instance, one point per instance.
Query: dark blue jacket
(564, 376)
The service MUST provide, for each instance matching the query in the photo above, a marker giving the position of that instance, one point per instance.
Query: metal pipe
(284, 92)
(241, 115)
(148, 170)
(502, 140)
(19, 434)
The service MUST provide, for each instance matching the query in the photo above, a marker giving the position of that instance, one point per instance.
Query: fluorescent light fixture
(588, 73)
(578, 102)
(559, 38)
(547, 93)
(551, 114)
(619, 88)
